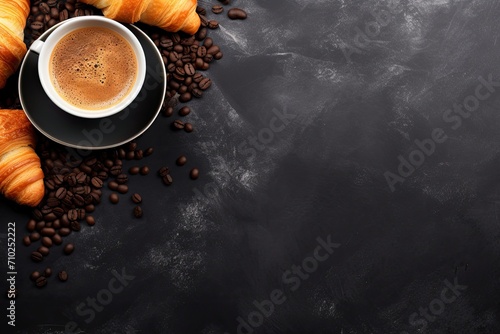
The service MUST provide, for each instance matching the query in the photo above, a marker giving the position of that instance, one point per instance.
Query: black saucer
(98, 133)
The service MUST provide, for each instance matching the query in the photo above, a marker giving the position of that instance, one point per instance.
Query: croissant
(170, 15)
(21, 177)
(13, 15)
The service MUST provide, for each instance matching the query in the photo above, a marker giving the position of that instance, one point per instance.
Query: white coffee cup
(45, 49)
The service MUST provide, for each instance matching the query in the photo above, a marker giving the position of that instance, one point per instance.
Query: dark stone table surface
(350, 183)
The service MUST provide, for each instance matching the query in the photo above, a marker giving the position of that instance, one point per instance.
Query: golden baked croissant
(170, 15)
(21, 178)
(13, 15)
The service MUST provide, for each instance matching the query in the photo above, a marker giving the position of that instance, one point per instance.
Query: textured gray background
(200, 264)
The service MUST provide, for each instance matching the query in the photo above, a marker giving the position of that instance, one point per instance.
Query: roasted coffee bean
(148, 151)
(47, 272)
(89, 208)
(208, 42)
(201, 34)
(205, 83)
(69, 248)
(34, 275)
(194, 173)
(48, 231)
(171, 68)
(54, 13)
(184, 111)
(122, 189)
(198, 93)
(139, 154)
(52, 22)
(199, 63)
(213, 24)
(43, 250)
(30, 226)
(90, 220)
(181, 161)
(64, 231)
(81, 213)
(122, 178)
(186, 97)
(75, 226)
(69, 6)
(138, 212)
(236, 14)
(26, 240)
(56, 224)
(41, 281)
(136, 198)
(163, 171)
(113, 185)
(188, 127)
(116, 170)
(225, 2)
(213, 49)
(203, 20)
(78, 200)
(44, 8)
(50, 184)
(202, 51)
(56, 239)
(217, 9)
(35, 236)
(72, 215)
(200, 10)
(40, 225)
(144, 170)
(113, 198)
(168, 111)
(167, 179)
(63, 276)
(134, 170)
(47, 242)
(132, 146)
(81, 177)
(189, 69)
(130, 155)
(97, 182)
(198, 77)
(178, 124)
(166, 43)
(36, 256)
(61, 193)
(58, 211)
(37, 214)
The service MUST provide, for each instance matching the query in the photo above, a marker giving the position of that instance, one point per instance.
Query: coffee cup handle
(37, 46)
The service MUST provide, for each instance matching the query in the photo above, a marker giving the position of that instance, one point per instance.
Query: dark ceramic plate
(99, 133)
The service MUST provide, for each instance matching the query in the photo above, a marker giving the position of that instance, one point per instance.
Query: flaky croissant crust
(170, 15)
(21, 177)
(13, 15)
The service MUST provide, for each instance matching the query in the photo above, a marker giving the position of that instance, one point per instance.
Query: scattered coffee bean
(97, 182)
(178, 124)
(181, 161)
(113, 198)
(64, 231)
(184, 111)
(144, 170)
(138, 212)
(167, 179)
(63, 276)
(136, 198)
(75, 226)
(122, 178)
(188, 127)
(90, 220)
(56, 239)
(148, 151)
(47, 242)
(41, 281)
(122, 189)
(134, 170)
(213, 24)
(113, 185)
(237, 14)
(47, 272)
(35, 236)
(43, 250)
(68, 249)
(163, 171)
(34, 275)
(26, 240)
(194, 173)
(217, 9)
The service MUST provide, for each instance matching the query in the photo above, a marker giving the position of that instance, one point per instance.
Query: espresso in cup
(93, 68)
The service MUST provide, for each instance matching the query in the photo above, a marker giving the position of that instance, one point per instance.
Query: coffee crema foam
(93, 68)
